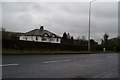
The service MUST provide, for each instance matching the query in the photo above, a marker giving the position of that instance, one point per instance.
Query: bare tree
(83, 38)
(78, 38)
(3, 29)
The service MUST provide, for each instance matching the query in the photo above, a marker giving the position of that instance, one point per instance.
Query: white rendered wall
(39, 39)
(22, 38)
(55, 40)
(29, 38)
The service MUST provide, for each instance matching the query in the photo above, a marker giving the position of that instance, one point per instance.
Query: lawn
(12, 51)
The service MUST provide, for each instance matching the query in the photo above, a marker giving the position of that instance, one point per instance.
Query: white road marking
(56, 61)
(99, 75)
(9, 65)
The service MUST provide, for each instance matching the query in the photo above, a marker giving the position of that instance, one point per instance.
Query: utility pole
(89, 47)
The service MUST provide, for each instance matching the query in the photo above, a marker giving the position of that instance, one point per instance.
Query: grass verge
(15, 52)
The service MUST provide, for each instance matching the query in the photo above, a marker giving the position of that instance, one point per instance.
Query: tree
(67, 39)
(105, 39)
(3, 29)
(78, 38)
(72, 40)
(68, 36)
(64, 38)
(83, 38)
(64, 35)
(92, 41)
(93, 44)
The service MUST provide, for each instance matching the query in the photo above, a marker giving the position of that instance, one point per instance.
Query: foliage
(67, 39)
(64, 36)
(11, 41)
(10, 35)
(105, 38)
(112, 44)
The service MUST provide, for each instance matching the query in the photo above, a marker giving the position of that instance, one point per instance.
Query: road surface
(61, 66)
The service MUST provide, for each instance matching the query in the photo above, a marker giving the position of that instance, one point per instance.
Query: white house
(40, 35)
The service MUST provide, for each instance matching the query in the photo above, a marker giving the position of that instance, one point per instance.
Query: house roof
(40, 32)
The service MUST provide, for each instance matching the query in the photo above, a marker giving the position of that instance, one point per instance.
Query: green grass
(11, 51)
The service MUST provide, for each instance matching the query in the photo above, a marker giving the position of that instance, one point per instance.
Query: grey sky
(59, 17)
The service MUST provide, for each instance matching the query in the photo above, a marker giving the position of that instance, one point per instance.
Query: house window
(43, 39)
(57, 40)
(26, 38)
(36, 38)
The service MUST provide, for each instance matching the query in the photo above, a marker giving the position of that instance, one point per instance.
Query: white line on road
(56, 61)
(99, 75)
(9, 65)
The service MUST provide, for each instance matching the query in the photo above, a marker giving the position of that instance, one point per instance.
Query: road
(61, 66)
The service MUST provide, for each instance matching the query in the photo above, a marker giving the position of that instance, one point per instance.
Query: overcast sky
(59, 17)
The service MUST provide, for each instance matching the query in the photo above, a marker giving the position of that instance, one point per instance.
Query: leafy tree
(92, 41)
(113, 44)
(93, 44)
(67, 39)
(64, 35)
(64, 38)
(72, 40)
(105, 39)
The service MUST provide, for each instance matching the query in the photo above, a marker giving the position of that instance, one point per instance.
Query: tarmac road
(60, 66)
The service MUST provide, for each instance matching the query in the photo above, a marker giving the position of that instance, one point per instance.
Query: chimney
(42, 28)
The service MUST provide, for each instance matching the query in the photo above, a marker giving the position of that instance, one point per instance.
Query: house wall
(55, 40)
(40, 39)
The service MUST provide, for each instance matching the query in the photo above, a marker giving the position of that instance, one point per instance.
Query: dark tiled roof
(40, 32)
